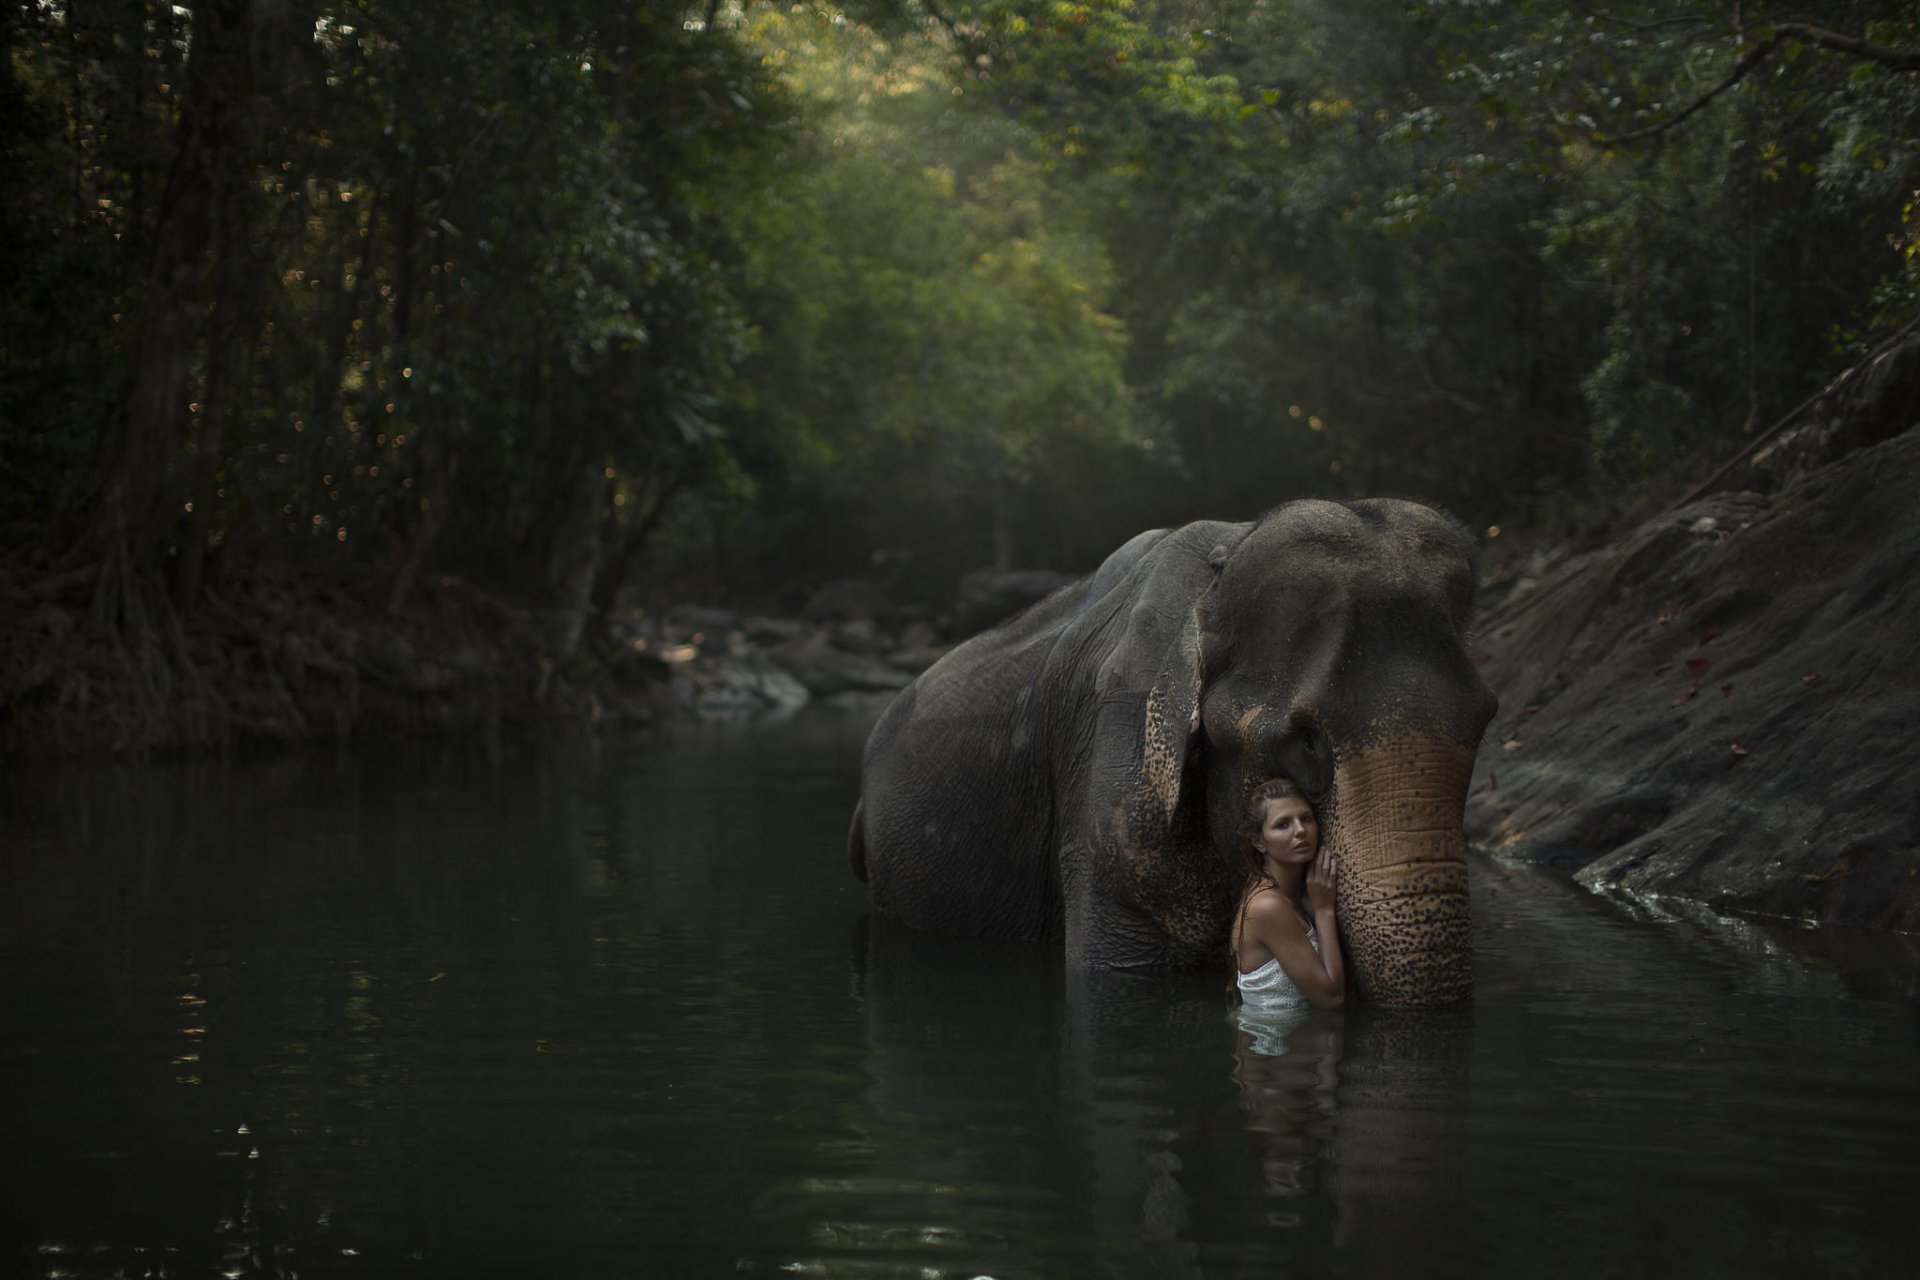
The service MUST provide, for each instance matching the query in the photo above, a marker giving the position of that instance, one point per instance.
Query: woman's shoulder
(1270, 908)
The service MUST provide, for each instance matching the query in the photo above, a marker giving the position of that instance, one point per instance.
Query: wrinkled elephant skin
(1080, 772)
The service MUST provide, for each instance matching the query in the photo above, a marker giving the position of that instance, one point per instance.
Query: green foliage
(555, 292)
(936, 323)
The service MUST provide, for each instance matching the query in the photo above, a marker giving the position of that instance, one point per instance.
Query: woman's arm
(1320, 898)
(1275, 923)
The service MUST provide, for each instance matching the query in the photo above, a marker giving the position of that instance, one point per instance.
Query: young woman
(1286, 955)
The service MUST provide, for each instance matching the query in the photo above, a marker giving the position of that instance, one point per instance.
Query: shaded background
(721, 301)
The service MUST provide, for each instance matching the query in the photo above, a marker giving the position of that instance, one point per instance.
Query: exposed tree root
(271, 659)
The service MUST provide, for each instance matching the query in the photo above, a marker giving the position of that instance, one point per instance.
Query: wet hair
(1254, 814)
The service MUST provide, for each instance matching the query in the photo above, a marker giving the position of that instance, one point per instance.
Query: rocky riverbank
(1721, 706)
(278, 659)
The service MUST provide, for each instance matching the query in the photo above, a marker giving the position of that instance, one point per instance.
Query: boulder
(917, 659)
(825, 670)
(1720, 705)
(844, 598)
(988, 597)
(746, 685)
(688, 620)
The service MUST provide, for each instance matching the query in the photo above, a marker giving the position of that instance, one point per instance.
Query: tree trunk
(436, 473)
(574, 565)
(190, 570)
(201, 199)
(628, 541)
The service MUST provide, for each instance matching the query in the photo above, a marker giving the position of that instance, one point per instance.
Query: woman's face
(1289, 833)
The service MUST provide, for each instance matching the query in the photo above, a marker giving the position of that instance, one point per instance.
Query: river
(619, 1010)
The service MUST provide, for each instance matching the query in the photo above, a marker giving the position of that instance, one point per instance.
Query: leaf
(1810, 677)
(1686, 694)
(1726, 690)
(1707, 635)
(1663, 668)
(1695, 666)
(1527, 711)
(1739, 750)
(1511, 744)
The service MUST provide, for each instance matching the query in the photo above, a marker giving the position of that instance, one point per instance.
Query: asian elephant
(1079, 773)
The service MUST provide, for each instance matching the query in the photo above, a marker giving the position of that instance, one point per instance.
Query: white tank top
(1269, 989)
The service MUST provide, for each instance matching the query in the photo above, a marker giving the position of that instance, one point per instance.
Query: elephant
(1079, 773)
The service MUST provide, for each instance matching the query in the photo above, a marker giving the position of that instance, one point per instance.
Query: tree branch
(1782, 32)
(1896, 59)
(1683, 20)
(1741, 70)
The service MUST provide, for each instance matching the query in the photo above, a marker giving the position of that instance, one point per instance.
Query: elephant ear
(1172, 717)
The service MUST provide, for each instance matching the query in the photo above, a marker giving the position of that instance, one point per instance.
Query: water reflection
(596, 1012)
(1287, 1066)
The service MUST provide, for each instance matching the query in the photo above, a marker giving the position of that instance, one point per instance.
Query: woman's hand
(1320, 890)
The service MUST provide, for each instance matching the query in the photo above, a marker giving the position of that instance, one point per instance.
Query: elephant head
(1330, 648)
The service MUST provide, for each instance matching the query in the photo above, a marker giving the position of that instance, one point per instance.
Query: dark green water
(619, 1012)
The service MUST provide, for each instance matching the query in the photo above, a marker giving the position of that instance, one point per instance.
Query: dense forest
(721, 301)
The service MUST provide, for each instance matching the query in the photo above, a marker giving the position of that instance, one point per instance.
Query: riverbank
(272, 659)
(1719, 705)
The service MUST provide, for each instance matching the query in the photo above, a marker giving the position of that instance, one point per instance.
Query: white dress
(1268, 989)
(1270, 1005)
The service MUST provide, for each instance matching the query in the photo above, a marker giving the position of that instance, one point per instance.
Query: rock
(917, 659)
(845, 598)
(773, 631)
(919, 635)
(1874, 401)
(857, 703)
(745, 685)
(859, 636)
(634, 667)
(1718, 706)
(825, 670)
(987, 597)
(704, 620)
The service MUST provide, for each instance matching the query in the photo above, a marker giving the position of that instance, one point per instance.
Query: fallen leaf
(1697, 665)
(1686, 694)
(1726, 690)
(1709, 634)
(436, 977)
(1527, 711)
(1663, 668)
(1834, 872)
(1810, 677)
(1493, 780)
(1511, 744)
(1739, 750)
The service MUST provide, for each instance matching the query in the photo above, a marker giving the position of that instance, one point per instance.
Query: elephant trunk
(1399, 844)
